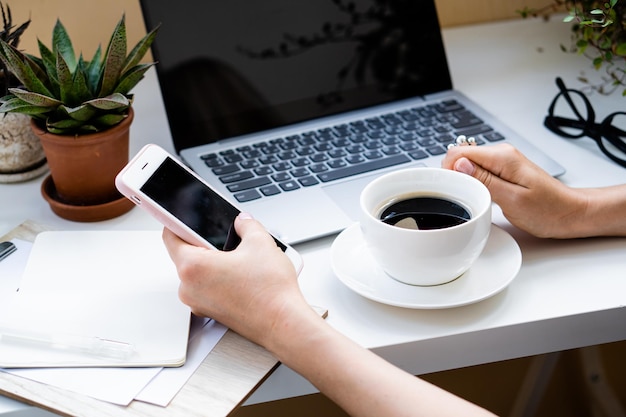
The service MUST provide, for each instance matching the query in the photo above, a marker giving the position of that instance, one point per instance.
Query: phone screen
(194, 204)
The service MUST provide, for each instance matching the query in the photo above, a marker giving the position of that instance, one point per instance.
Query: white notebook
(95, 298)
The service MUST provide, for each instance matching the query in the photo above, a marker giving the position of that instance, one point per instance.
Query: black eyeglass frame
(588, 127)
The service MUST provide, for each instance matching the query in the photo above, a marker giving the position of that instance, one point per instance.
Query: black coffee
(425, 213)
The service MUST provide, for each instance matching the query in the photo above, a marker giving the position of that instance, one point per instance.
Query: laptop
(289, 108)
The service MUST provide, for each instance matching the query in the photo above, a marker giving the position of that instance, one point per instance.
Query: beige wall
(460, 12)
(90, 22)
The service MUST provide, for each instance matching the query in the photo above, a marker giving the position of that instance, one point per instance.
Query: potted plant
(599, 32)
(21, 155)
(81, 111)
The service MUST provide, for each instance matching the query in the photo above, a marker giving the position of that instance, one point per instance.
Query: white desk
(568, 293)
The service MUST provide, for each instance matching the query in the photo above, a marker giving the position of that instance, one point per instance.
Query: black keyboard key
(281, 176)
(231, 159)
(427, 142)
(285, 156)
(448, 106)
(248, 195)
(337, 153)
(392, 150)
(263, 171)
(308, 181)
(317, 168)
(364, 167)
(282, 166)
(300, 162)
(208, 156)
(269, 190)
(237, 176)
(418, 154)
(226, 169)
(354, 149)
(289, 145)
(249, 164)
(466, 122)
(372, 154)
(473, 131)
(270, 159)
(323, 147)
(214, 162)
(337, 163)
(359, 138)
(320, 157)
(409, 146)
(374, 144)
(436, 150)
(270, 149)
(355, 159)
(493, 136)
(289, 185)
(254, 153)
(340, 143)
(300, 172)
(305, 151)
(248, 184)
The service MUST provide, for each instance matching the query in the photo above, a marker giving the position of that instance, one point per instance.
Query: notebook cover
(115, 285)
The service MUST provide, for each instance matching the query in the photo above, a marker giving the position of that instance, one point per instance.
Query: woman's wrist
(605, 212)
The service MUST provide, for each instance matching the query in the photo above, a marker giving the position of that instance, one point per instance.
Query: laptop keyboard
(321, 156)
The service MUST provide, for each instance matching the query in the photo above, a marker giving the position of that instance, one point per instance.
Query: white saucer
(493, 271)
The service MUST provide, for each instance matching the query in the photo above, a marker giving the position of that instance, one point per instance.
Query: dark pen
(6, 248)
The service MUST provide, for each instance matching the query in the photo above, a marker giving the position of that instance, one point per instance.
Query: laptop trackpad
(297, 218)
(347, 194)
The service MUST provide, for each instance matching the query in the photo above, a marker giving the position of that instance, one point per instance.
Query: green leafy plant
(11, 35)
(598, 32)
(69, 95)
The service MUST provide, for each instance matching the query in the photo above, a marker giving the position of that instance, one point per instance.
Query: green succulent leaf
(22, 71)
(94, 69)
(140, 50)
(80, 85)
(61, 44)
(114, 59)
(82, 113)
(20, 106)
(48, 60)
(131, 78)
(65, 123)
(109, 120)
(35, 99)
(111, 102)
(65, 80)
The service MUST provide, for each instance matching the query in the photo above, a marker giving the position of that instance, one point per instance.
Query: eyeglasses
(610, 134)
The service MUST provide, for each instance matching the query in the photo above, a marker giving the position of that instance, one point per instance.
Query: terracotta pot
(83, 167)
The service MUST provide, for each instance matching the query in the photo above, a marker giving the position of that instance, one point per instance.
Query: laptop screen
(229, 68)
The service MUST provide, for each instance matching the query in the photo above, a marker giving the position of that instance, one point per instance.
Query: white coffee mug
(426, 257)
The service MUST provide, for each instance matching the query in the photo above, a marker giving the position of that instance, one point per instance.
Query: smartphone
(183, 202)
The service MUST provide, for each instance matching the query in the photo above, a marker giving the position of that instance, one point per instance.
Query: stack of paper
(120, 286)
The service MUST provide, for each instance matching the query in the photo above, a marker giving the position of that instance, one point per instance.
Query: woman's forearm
(356, 379)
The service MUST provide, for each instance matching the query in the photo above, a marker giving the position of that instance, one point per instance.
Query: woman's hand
(247, 289)
(529, 197)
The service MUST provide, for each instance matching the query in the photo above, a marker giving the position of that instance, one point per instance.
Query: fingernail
(465, 166)
(245, 216)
